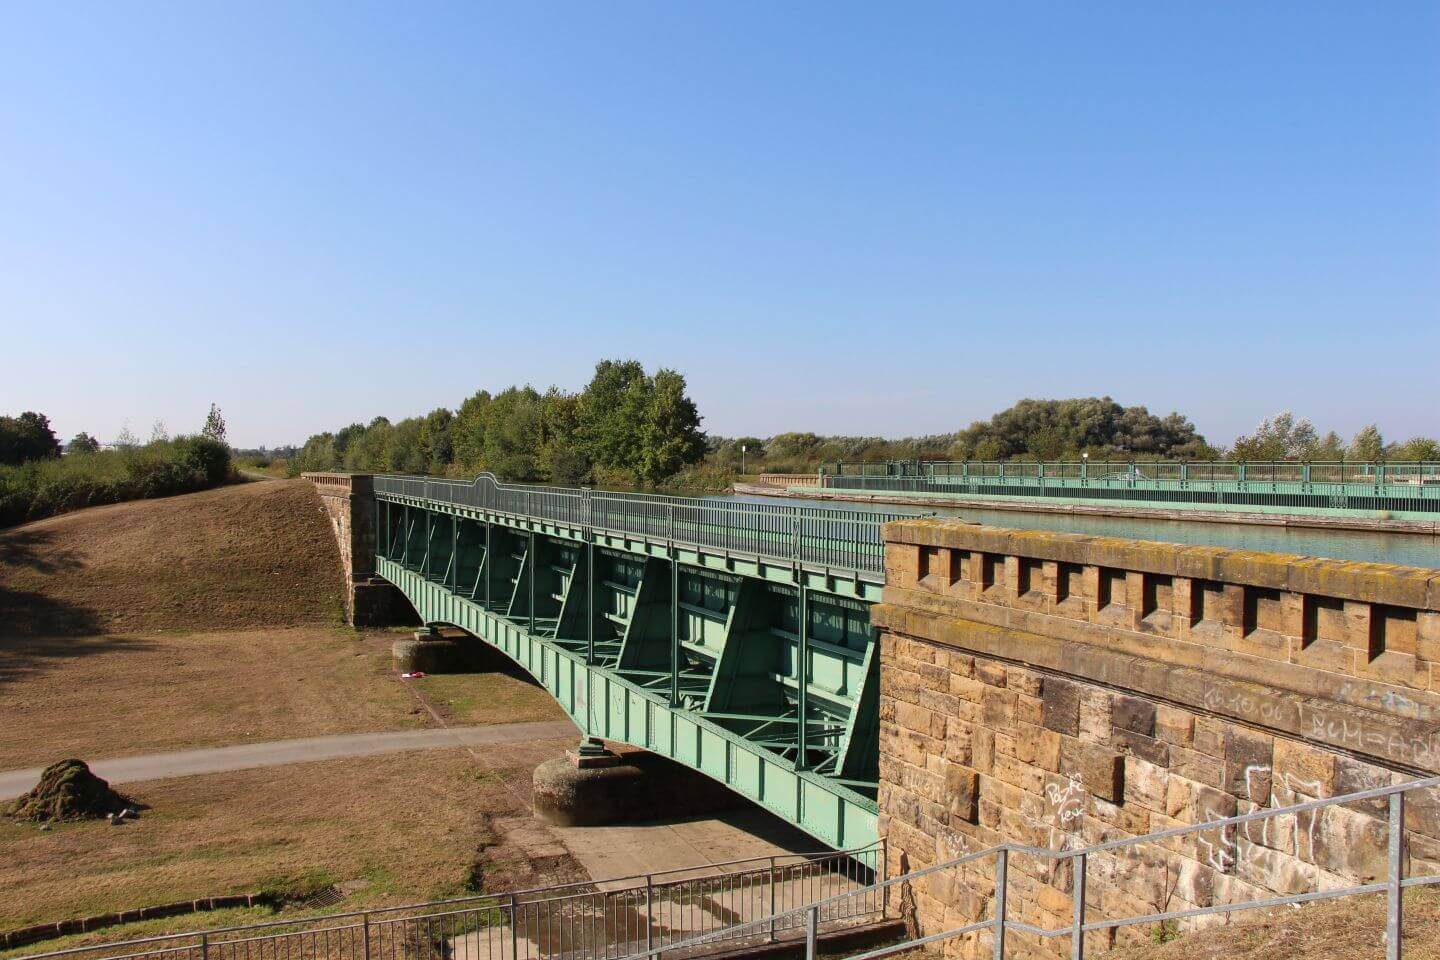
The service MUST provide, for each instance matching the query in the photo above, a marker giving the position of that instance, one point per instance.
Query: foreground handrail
(331, 922)
(1394, 883)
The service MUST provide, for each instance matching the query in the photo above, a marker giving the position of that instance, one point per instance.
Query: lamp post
(1084, 466)
(742, 459)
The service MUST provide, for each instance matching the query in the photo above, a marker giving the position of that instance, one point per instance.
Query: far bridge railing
(837, 538)
(1277, 485)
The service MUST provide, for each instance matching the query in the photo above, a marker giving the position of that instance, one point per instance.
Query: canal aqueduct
(956, 687)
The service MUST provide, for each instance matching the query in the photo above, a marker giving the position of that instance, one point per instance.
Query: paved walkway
(275, 753)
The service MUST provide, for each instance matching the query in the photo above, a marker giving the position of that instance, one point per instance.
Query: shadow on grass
(35, 550)
(72, 633)
(36, 629)
(481, 657)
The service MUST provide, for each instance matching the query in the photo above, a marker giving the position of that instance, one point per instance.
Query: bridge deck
(731, 637)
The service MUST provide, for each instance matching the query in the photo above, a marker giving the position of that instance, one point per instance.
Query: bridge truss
(732, 637)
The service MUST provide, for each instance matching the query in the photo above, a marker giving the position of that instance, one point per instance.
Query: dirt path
(275, 753)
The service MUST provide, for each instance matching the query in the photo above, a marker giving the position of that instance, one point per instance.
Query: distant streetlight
(742, 459)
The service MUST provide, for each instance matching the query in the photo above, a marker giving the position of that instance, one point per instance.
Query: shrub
(42, 488)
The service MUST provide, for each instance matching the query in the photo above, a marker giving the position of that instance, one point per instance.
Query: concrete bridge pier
(427, 651)
(594, 786)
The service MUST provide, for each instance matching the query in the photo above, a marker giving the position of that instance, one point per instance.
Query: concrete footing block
(581, 790)
(426, 654)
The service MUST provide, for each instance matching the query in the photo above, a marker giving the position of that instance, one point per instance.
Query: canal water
(1406, 549)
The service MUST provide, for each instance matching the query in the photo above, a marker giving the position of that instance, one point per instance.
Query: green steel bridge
(1400, 491)
(732, 637)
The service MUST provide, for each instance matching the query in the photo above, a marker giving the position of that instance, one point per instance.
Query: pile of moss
(68, 791)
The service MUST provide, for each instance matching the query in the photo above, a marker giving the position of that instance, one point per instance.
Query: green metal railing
(1277, 486)
(843, 539)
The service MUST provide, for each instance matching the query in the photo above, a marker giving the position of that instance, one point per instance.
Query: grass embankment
(384, 829)
(214, 619)
(43, 488)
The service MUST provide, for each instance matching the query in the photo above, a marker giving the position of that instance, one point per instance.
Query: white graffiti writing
(1068, 802)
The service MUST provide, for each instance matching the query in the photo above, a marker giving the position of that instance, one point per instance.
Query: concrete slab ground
(633, 849)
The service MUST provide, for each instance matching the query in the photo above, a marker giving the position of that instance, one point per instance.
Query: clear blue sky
(863, 218)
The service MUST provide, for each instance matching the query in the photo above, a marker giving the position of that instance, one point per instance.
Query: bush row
(42, 488)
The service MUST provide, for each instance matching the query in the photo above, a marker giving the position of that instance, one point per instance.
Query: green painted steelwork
(758, 669)
(1395, 490)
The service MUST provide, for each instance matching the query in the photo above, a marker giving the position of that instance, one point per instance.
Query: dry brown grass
(410, 827)
(1348, 929)
(212, 619)
(102, 697)
(500, 693)
(253, 554)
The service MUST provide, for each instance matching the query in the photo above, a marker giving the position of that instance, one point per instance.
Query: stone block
(1199, 767)
(1210, 736)
(1353, 776)
(1100, 769)
(915, 718)
(1174, 725)
(1047, 750)
(1137, 745)
(1133, 714)
(1018, 774)
(1145, 783)
(990, 672)
(1193, 802)
(1301, 768)
(998, 707)
(1249, 759)
(1061, 706)
(982, 749)
(1350, 844)
(1023, 681)
(1095, 718)
(1422, 812)
(1029, 709)
(959, 740)
(962, 793)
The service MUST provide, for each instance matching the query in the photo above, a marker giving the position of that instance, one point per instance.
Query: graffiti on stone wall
(1329, 725)
(1067, 805)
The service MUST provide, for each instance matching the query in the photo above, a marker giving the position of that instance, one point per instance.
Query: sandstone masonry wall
(349, 502)
(1060, 690)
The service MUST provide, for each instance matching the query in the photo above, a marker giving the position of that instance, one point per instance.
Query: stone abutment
(349, 502)
(1059, 691)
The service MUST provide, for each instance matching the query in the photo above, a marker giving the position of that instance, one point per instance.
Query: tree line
(626, 427)
(1029, 430)
(630, 428)
(1096, 427)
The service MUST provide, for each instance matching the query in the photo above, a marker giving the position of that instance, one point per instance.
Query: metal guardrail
(1396, 487)
(1403, 473)
(813, 915)
(835, 538)
(583, 921)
